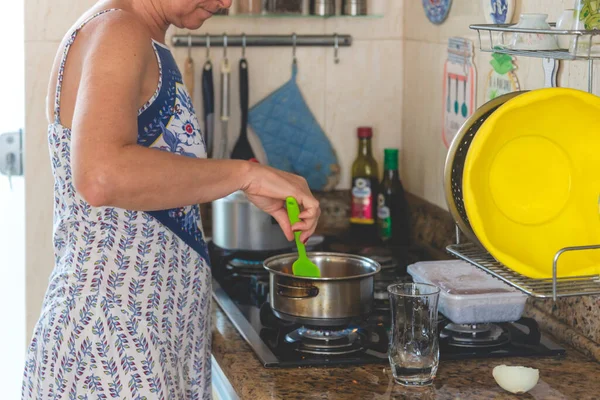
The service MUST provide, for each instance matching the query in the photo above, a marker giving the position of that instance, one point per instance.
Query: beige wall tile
(38, 177)
(51, 19)
(423, 152)
(365, 89)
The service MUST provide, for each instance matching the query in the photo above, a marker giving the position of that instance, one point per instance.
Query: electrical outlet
(11, 153)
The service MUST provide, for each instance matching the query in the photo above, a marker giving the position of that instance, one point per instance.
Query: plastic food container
(469, 295)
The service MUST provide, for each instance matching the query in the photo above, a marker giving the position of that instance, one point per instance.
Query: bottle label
(384, 217)
(362, 202)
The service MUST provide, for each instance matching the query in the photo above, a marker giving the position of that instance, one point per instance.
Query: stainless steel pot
(343, 293)
(240, 225)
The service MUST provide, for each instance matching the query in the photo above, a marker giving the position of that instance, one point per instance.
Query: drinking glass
(414, 347)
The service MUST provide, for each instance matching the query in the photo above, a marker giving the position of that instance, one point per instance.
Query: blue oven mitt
(292, 138)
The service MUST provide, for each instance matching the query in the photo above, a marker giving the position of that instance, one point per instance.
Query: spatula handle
(294, 216)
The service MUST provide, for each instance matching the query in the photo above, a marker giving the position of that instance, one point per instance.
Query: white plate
(498, 11)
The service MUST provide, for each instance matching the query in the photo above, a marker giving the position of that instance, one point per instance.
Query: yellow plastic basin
(531, 182)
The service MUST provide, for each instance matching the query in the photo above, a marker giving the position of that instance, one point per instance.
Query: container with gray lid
(469, 295)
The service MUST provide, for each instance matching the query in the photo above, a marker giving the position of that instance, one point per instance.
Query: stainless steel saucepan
(342, 294)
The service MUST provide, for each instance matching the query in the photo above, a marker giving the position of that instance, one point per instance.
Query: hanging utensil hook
(190, 45)
(294, 40)
(208, 46)
(225, 45)
(243, 45)
(336, 48)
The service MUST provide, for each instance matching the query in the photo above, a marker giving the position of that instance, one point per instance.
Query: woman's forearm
(139, 178)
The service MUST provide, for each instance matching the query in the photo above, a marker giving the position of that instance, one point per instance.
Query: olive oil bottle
(365, 183)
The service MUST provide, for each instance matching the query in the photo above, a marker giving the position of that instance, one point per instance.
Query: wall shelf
(583, 44)
(300, 16)
(497, 34)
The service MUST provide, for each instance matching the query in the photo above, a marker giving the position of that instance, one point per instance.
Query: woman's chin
(196, 20)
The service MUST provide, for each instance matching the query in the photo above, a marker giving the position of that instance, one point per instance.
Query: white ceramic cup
(533, 41)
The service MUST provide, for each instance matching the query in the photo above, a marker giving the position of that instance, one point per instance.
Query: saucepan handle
(297, 292)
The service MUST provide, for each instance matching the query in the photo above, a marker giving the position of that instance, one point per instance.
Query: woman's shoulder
(114, 31)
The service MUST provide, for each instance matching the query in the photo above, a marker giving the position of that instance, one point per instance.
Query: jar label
(362, 202)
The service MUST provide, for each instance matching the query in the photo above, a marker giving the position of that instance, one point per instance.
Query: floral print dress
(127, 311)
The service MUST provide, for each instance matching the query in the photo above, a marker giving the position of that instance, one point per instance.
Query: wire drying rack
(554, 287)
(493, 37)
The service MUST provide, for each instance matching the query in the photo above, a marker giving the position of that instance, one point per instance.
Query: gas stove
(241, 288)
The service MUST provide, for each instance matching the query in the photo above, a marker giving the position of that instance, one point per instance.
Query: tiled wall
(425, 51)
(364, 89)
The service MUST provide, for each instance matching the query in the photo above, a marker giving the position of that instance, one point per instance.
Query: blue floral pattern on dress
(127, 311)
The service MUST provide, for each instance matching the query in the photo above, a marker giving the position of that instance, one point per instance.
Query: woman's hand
(267, 188)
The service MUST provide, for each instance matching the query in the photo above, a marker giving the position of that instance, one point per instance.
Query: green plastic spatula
(302, 266)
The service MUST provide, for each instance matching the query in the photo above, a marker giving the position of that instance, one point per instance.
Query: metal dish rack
(496, 34)
(541, 288)
(554, 287)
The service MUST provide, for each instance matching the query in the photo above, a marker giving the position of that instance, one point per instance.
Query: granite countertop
(573, 377)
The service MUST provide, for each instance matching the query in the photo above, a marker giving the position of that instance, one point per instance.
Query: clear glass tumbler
(414, 345)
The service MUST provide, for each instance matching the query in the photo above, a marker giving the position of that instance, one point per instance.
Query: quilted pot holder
(292, 138)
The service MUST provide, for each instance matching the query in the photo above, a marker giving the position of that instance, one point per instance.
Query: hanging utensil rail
(263, 40)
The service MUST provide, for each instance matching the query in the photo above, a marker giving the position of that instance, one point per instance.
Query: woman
(127, 311)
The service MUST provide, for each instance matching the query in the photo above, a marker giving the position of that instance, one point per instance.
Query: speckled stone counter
(574, 377)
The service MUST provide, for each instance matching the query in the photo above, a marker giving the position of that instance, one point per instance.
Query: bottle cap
(365, 132)
(390, 158)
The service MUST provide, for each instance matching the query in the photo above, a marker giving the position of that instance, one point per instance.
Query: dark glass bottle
(392, 210)
(365, 183)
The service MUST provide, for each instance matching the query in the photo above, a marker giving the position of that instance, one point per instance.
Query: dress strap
(63, 61)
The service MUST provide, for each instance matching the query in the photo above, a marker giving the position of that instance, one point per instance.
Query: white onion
(516, 379)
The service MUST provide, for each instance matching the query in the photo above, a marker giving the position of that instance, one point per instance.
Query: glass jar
(287, 6)
(355, 7)
(587, 14)
(323, 7)
(249, 7)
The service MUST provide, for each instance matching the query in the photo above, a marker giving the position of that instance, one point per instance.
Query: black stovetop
(240, 287)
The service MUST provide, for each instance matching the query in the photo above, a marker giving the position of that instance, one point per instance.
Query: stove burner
(475, 336)
(474, 329)
(240, 263)
(326, 335)
(246, 268)
(326, 342)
